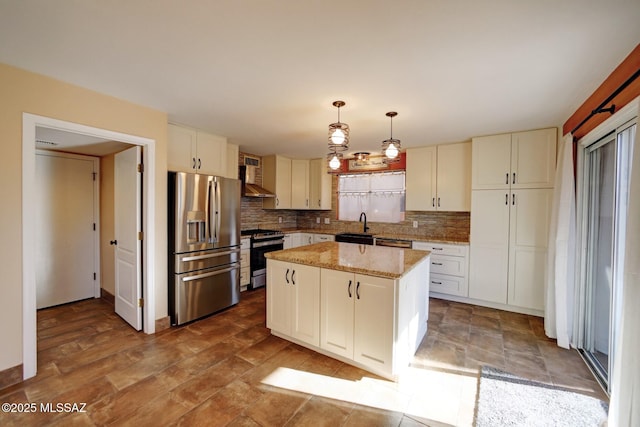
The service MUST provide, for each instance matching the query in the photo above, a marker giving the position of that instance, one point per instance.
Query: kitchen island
(364, 305)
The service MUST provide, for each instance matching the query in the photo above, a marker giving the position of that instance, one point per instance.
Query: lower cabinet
(293, 300)
(357, 317)
(449, 267)
(375, 323)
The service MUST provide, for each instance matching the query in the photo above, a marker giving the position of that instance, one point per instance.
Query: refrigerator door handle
(217, 254)
(205, 275)
(208, 211)
(218, 216)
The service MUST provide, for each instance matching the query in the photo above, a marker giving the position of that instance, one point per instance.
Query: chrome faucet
(362, 214)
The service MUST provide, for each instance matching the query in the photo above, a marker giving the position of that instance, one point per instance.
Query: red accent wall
(626, 69)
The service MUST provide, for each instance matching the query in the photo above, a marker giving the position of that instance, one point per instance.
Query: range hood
(249, 186)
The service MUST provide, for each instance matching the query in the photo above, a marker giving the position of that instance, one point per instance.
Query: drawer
(244, 258)
(454, 265)
(442, 248)
(245, 276)
(245, 244)
(450, 285)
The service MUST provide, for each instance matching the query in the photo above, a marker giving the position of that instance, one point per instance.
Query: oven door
(258, 261)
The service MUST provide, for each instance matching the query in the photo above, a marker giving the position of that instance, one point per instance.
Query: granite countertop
(378, 261)
(411, 237)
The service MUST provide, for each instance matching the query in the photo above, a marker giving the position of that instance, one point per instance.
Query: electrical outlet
(318, 220)
(415, 224)
(326, 220)
(279, 220)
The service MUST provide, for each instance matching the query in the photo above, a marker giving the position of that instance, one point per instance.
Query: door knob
(113, 242)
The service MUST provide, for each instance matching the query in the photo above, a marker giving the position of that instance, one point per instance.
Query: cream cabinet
(449, 271)
(438, 178)
(293, 300)
(317, 238)
(515, 160)
(276, 177)
(510, 210)
(233, 156)
(319, 185)
(508, 257)
(357, 317)
(299, 184)
(245, 266)
(190, 150)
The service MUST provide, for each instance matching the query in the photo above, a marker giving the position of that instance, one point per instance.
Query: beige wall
(107, 226)
(23, 91)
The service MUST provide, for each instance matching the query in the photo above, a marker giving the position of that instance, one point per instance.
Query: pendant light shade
(338, 132)
(391, 147)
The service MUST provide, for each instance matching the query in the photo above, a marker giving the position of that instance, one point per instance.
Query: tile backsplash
(453, 226)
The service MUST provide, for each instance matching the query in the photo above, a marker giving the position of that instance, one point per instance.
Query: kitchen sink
(361, 238)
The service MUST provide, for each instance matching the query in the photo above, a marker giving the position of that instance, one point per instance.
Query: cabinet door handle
(437, 249)
(514, 177)
(436, 283)
(358, 290)
(506, 180)
(433, 202)
(199, 163)
(436, 263)
(293, 277)
(277, 201)
(287, 276)
(318, 202)
(513, 199)
(349, 289)
(306, 203)
(438, 201)
(506, 199)
(194, 162)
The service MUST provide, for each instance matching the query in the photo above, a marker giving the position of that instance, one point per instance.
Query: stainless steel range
(262, 241)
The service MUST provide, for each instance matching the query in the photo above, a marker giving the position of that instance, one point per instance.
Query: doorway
(67, 223)
(604, 197)
(29, 236)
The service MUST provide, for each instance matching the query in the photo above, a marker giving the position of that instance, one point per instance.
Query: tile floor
(228, 370)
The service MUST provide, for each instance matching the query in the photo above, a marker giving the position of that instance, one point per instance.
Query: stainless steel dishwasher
(396, 243)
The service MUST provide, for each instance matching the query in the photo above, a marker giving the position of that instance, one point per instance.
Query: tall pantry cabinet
(512, 189)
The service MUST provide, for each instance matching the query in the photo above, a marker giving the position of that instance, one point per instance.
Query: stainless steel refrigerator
(204, 245)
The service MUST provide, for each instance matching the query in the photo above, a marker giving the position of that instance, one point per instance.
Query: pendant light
(391, 147)
(335, 161)
(338, 132)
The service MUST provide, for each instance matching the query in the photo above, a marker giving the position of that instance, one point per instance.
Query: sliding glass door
(604, 191)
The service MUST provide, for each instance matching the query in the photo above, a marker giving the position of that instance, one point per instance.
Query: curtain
(380, 195)
(624, 408)
(560, 281)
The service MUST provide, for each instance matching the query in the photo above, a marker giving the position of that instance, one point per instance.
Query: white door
(489, 249)
(305, 325)
(454, 177)
(491, 160)
(278, 296)
(421, 179)
(127, 203)
(337, 293)
(374, 322)
(65, 228)
(530, 212)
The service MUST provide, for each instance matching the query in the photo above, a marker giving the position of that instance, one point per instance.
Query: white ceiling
(265, 72)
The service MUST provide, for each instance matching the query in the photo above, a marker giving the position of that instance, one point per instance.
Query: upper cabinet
(297, 184)
(276, 177)
(319, 185)
(189, 150)
(233, 156)
(439, 178)
(515, 160)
